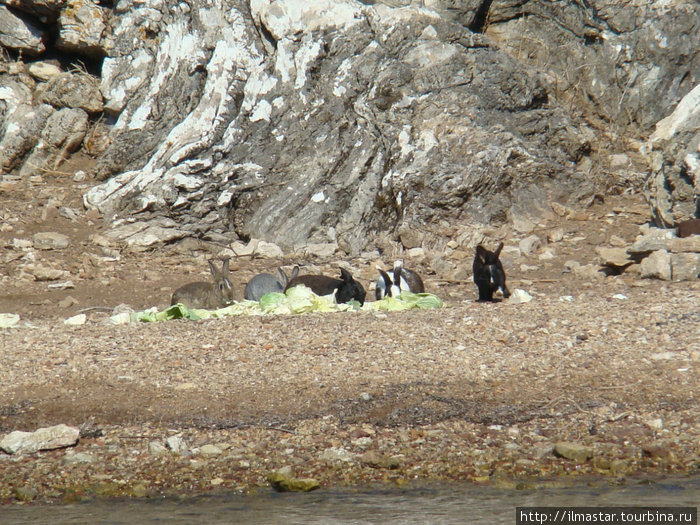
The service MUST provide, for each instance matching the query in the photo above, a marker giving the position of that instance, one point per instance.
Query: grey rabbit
(401, 279)
(345, 289)
(265, 283)
(208, 295)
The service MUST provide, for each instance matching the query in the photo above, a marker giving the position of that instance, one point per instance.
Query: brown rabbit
(207, 295)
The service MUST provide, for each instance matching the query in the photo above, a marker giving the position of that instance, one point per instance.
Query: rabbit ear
(295, 272)
(398, 268)
(497, 253)
(385, 277)
(224, 267)
(481, 254)
(213, 269)
(283, 276)
(345, 275)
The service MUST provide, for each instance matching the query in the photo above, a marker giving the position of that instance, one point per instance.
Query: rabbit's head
(489, 276)
(400, 279)
(349, 289)
(223, 289)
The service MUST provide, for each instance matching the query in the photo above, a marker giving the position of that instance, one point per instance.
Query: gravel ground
(473, 391)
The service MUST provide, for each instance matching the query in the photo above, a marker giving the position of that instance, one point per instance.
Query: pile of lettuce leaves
(297, 300)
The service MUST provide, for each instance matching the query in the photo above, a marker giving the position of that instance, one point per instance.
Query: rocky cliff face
(343, 122)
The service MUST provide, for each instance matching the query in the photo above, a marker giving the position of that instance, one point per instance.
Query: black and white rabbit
(265, 283)
(489, 276)
(208, 295)
(400, 279)
(345, 289)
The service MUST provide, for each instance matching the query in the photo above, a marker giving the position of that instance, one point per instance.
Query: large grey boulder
(323, 122)
(673, 149)
(22, 129)
(48, 438)
(63, 134)
(74, 89)
(20, 34)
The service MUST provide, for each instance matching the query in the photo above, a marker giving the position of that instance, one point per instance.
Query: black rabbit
(489, 276)
(346, 288)
(401, 279)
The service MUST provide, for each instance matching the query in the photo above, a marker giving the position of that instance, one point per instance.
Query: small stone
(556, 235)
(415, 253)
(78, 458)
(25, 493)
(685, 266)
(68, 213)
(48, 438)
(76, 320)
(176, 444)
(51, 241)
(658, 452)
(21, 244)
(617, 242)
(41, 272)
(656, 424)
(43, 71)
(654, 240)
(519, 296)
(615, 257)
(530, 244)
(365, 396)
(217, 481)
(67, 302)
(8, 320)
(570, 265)
(524, 268)
(523, 225)
(283, 481)
(210, 450)
(657, 266)
(321, 250)
(663, 356)
(336, 454)
(362, 442)
(374, 459)
(542, 450)
(410, 237)
(139, 490)
(560, 209)
(156, 448)
(186, 386)
(588, 272)
(573, 451)
(510, 253)
(79, 176)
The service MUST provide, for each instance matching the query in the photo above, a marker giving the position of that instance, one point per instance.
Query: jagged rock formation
(346, 122)
(674, 157)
